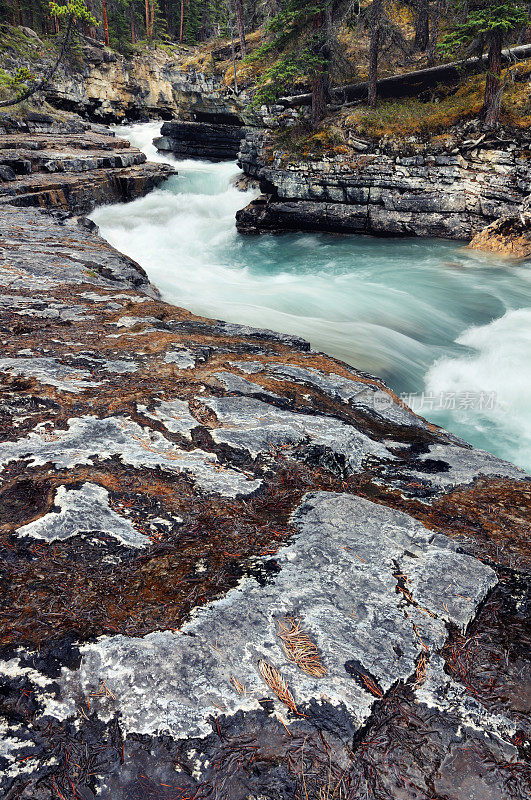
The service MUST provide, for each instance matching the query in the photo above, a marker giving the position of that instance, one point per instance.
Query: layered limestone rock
(71, 165)
(232, 566)
(216, 141)
(449, 190)
(111, 88)
(102, 85)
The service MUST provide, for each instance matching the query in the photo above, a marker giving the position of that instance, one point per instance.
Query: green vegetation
(404, 118)
(487, 24)
(281, 47)
(22, 82)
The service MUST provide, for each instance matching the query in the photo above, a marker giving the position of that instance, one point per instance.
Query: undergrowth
(411, 116)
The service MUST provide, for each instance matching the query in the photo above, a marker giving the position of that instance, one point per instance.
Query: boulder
(508, 236)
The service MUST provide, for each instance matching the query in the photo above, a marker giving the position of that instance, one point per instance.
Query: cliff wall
(451, 189)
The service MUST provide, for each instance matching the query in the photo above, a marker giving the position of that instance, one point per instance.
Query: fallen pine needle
(299, 647)
(276, 682)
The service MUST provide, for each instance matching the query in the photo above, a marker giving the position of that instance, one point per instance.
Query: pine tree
(303, 36)
(488, 23)
(23, 83)
(374, 49)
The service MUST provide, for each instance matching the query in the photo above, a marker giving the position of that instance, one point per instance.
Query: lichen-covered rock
(231, 566)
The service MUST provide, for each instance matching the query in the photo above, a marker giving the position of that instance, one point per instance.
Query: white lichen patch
(83, 511)
(359, 394)
(257, 427)
(249, 367)
(118, 365)
(49, 371)
(337, 577)
(89, 437)
(19, 278)
(174, 415)
(130, 322)
(182, 358)
(103, 298)
(463, 465)
(235, 383)
(48, 309)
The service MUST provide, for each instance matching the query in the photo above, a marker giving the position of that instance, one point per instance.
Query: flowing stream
(447, 328)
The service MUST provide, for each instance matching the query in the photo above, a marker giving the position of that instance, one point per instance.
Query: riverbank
(180, 496)
(411, 167)
(70, 165)
(446, 327)
(450, 186)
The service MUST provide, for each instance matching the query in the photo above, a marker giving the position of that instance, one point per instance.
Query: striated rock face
(509, 236)
(232, 566)
(71, 166)
(217, 142)
(110, 88)
(104, 86)
(388, 191)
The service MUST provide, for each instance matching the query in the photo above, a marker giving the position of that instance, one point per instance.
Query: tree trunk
(204, 21)
(376, 19)
(320, 93)
(434, 36)
(232, 46)
(105, 23)
(241, 28)
(422, 25)
(132, 18)
(92, 30)
(493, 86)
(321, 79)
(182, 22)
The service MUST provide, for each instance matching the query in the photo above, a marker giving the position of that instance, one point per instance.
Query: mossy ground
(407, 117)
(412, 116)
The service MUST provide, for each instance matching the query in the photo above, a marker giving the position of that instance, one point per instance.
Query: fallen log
(410, 83)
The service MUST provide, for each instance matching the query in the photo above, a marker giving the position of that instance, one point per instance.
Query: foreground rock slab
(234, 567)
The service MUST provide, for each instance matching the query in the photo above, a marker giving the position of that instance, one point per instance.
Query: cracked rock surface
(232, 567)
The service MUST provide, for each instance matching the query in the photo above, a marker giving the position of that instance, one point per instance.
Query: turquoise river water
(448, 329)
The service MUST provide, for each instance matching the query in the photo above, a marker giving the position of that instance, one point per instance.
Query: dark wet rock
(174, 491)
(216, 142)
